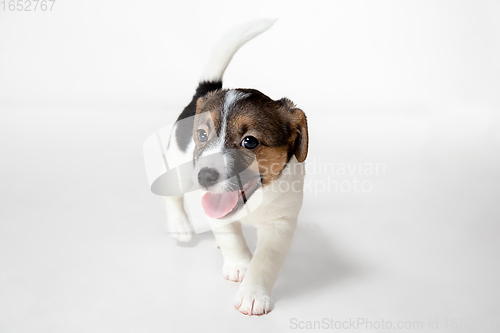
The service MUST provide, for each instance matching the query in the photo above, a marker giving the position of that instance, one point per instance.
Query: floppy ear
(301, 143)
(200, 103)
(204, 99)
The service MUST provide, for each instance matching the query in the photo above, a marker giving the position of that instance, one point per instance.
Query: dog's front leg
(234, 250)
(273, 245)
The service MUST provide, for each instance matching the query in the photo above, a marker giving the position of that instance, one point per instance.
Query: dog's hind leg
(178, 223)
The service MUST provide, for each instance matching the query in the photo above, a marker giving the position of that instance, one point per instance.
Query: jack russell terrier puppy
(242, 126)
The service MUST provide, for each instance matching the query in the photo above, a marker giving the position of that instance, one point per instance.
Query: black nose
(207, 177)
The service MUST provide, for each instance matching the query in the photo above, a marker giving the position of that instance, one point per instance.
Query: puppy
(246, 151)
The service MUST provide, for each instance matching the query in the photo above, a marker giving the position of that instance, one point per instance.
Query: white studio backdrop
(339, 52)
(410, 86)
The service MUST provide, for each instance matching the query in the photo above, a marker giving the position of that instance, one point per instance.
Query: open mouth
(219, 205)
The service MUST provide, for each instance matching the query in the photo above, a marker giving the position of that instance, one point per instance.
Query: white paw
(180, 229)
(235, 271)
(252, 302)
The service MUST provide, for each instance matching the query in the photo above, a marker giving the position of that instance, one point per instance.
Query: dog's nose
(207, 176)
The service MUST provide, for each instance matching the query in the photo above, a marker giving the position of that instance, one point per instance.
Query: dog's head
(243, 140)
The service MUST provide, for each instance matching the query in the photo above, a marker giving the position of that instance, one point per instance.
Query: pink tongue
(217, 205)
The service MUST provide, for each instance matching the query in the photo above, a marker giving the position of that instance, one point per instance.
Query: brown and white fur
(281, 132)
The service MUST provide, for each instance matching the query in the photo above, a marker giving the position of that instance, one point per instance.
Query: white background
(412, 85)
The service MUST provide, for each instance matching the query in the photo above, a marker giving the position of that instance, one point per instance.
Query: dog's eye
(202, 135)
(250, 142)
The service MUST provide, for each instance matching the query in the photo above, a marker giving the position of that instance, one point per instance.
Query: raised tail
(211, 79)
(226, 48)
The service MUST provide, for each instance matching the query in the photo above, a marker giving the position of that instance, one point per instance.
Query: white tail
(226, 48)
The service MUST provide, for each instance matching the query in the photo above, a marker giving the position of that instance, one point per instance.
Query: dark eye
(250, 142)
(202, 135)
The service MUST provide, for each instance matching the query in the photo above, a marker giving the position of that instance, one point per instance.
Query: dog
(263, 139)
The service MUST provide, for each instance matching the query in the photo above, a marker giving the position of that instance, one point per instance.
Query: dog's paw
(235, 271)
(252, 302)
(180, 229)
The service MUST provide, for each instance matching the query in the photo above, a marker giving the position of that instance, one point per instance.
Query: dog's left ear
(301, 143)
(300, 136)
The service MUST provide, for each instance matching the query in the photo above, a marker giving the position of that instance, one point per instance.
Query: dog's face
(243, 139)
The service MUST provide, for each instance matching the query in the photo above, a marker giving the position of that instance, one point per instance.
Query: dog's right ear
(200, 103)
